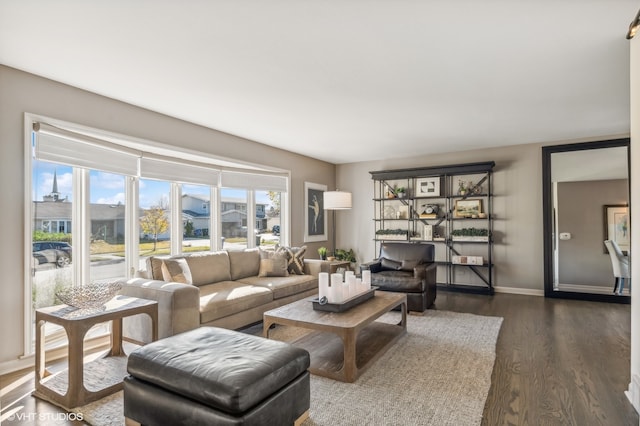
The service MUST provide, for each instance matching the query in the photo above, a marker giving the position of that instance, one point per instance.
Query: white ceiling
(342, 80)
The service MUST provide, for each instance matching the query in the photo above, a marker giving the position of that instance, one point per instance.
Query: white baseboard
(517, 290)
(21, 363)
(633, 394)
(29, 361)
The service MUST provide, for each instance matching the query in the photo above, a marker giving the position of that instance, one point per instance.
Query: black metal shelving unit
(402, 218)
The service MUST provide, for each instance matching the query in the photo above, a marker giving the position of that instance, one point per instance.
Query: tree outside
(154, 222)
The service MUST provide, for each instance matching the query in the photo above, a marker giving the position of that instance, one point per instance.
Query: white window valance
(256, 181)
(72, 148)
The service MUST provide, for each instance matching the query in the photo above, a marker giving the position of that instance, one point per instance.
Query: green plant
(51, 236)
(345, 255)
(470, 232)
(391, 232)
(322, 251)
(401, 190)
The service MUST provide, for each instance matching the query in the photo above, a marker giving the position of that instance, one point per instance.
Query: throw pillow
(409, 265)
(295, 258)
(273, 264)
(389, 264)
(176, 270)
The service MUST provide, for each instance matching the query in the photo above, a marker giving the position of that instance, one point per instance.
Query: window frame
(81, 203)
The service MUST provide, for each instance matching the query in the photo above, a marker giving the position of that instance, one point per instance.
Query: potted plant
(346, 256)
(401, 191)
(322, 252)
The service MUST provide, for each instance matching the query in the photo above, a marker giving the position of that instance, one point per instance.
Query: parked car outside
(52, 252)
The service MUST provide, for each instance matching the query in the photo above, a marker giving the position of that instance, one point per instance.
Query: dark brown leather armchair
(406, 268)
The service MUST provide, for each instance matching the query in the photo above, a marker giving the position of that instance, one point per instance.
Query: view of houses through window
(247, 218)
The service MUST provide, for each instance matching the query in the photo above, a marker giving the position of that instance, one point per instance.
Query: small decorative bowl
(89, 296)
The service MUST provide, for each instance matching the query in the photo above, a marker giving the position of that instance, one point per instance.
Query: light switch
(565, 235)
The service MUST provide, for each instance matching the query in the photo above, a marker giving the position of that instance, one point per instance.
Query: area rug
(438, 374)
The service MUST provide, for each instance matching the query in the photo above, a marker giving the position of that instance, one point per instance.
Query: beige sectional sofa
(223, 289)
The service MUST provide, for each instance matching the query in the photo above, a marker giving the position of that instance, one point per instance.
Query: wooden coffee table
(343, 344)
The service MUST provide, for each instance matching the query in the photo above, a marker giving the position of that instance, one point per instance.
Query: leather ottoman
(214, 376)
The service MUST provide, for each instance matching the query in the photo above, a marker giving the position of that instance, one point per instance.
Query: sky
(108, 188)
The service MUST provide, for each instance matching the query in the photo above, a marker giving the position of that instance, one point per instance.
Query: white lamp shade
(337, 200)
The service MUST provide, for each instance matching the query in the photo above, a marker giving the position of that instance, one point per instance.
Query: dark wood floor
(559, 362)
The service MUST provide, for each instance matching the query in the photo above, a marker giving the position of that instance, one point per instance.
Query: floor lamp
(336, 200)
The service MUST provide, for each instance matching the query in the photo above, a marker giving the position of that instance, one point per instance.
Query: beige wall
(634, 387)
(582, 259)
(21, 92)
(518, 252)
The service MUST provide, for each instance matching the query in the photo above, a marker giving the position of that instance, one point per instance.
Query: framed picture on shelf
(403, 212)
(428, 187)
(468, 208)
(616, 225)
(315, 219)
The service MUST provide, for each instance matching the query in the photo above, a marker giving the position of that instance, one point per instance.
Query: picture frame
(467, 208)
(427, 187)
(315, 218)
(616, 225)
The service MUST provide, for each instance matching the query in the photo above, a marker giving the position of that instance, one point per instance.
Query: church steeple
(54, 196)
(55, 183)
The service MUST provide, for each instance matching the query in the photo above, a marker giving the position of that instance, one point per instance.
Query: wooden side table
(330, 266)
(110, 370)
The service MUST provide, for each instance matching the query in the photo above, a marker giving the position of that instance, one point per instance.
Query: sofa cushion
(295, 258)
(273, 264)
(208, 268)
(409, 265)
(398, 281)
(176, 270)
(245, 263)
(284, 286)
(229, 297)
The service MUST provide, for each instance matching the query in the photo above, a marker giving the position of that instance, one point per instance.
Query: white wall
(634, 386)
(21, 92)
(518, 252)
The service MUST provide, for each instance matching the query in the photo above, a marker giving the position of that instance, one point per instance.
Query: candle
(335, 292)
(351, 284)
(323, 285)
(366, 278)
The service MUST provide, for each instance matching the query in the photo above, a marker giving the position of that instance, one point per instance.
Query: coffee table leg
(266, 326)
(349, 367)
(403, 308)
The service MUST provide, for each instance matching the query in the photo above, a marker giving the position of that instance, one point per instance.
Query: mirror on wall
(585, 202)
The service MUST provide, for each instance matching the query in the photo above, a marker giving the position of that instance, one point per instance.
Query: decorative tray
(346, 305)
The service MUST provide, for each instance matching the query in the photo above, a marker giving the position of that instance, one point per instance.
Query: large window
(268, 217)
(107, 221)
(102, 203)
(196, 218)
(154, 218)
(233, 217)
(51, 237)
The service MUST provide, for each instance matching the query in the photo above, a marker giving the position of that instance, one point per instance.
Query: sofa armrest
(178, 308)
(373, 266)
